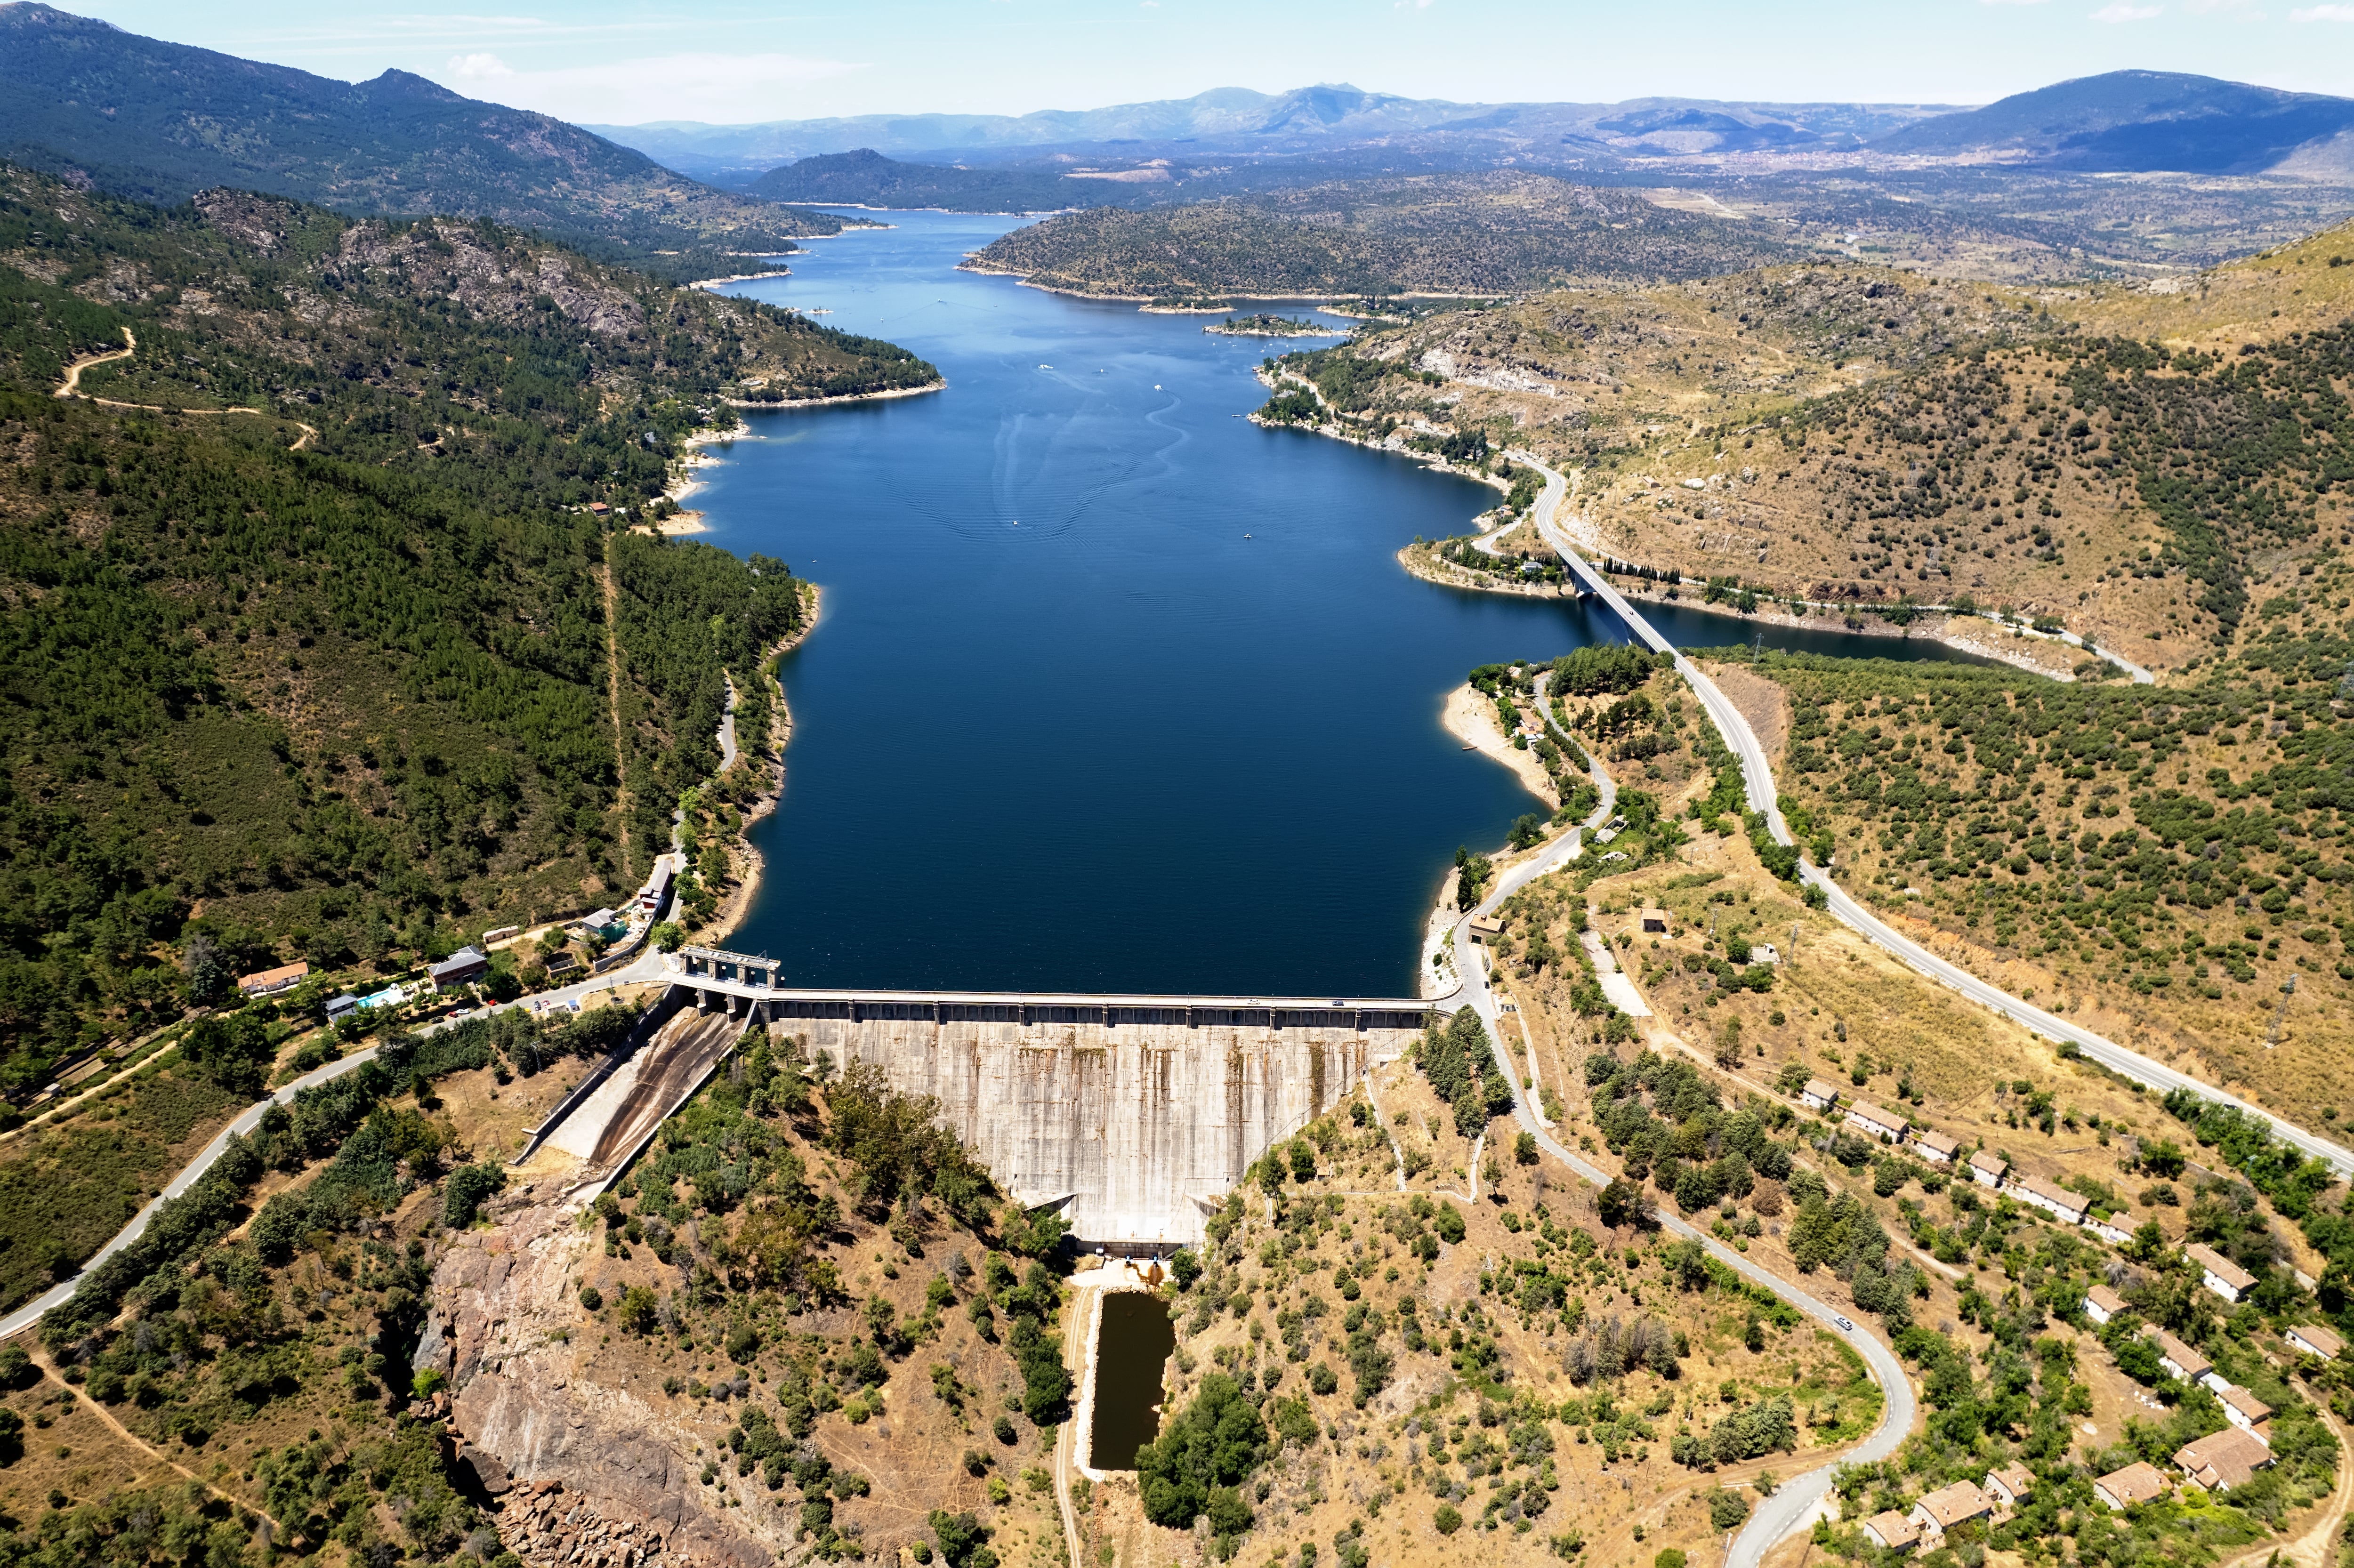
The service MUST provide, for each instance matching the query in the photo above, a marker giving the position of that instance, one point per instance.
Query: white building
(1819, 1095)
(2219, 1273)
(2249, 1413)
(1933, 1147)
(1874, 1122)
(2314, 1340)
(2057, 1202)
(2102, 1304)
(1989, 1169)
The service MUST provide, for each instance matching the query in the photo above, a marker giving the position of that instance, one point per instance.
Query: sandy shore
(1470, 718)
(939, 386)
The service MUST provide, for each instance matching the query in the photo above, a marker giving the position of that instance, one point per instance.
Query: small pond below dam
(1134, 1339)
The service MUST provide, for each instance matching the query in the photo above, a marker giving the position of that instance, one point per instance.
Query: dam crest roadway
(1134, 1114)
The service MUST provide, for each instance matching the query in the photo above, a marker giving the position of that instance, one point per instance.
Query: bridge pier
(702, 1000)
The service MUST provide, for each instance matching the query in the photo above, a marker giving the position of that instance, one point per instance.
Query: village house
(2221, 1460)
(2219, 1273)
(1874, 1122)
(1819, 1095)
(1935, 1148)
(2012, 1485)
(2116, 1230)
(2102, 1304)
(2138, 1482)
(2314, 1340)
(2057, 1202)
(269, 983)
(2178, 1359)
(465, 964)
(1989, 1169)
(1960, 1503)
(2246, 1411)
(1892, 1530)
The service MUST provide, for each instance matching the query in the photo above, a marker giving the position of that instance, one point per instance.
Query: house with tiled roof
(2178, 1359)
(2053, 1200)
(1893, 1531)
(2314, 1340)
(1960, 1503)
(1872, 1121)
(1936, 1147)
(2012, 1485)
(2219, 1273)
(2246, 1411)
(2221, 1460)
(2138, 1482)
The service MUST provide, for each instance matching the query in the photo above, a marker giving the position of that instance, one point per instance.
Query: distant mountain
(2136, 122)
(867, 178)
(1230, 120)
(159, 122)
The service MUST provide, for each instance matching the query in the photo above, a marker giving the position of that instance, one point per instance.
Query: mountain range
(2121, 122)
(158, 122)
(1324, 118)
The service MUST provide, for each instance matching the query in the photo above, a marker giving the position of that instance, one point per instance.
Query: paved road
(1795, 1502)
(25, 1317)
(1759, 778)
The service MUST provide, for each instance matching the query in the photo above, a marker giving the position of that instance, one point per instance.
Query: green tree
(1213, 1445)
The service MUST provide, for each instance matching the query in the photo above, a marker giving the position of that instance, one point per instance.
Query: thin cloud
(2118, 11)
(2323, 13)
(479, 68)
(724, 89)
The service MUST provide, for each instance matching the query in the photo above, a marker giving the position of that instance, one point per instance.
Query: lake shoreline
(1934, 627)
(731, 911)
(782, 405)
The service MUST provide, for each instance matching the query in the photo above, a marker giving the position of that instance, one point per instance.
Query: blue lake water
(1114, 691)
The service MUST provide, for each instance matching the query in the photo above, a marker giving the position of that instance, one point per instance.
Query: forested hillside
(159, 122)
(317, 666)
(1456, 234)
(869, 179)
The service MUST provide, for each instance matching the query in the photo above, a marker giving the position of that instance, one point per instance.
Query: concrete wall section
(1140, 1122)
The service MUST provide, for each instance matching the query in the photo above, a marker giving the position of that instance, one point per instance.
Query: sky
(740, 61)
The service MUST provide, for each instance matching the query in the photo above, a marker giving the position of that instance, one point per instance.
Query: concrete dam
(1134, 1115)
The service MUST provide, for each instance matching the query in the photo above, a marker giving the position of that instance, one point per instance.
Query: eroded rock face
(588, 1474)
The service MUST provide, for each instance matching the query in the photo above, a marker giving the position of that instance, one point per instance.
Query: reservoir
(1133, 1342)
(1113, 690)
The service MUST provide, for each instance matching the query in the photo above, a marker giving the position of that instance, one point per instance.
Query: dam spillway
(1135, 1114)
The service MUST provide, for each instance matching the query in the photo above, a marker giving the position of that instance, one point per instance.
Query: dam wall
(1136, 1120)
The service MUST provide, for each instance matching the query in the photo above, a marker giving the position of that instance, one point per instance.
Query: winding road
(1757, 775)
(71, 388)
(1795, 1502)
(648, 968)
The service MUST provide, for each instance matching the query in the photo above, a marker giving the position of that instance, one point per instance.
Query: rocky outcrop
(589, 1475)
(549, 1523)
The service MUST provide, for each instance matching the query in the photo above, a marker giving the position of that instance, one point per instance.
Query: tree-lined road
(1757, 776)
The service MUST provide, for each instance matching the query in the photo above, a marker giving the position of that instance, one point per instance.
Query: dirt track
(675, 1063)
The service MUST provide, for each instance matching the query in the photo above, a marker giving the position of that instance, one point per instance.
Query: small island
(1274, 326)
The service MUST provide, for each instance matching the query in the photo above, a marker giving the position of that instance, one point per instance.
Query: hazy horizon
(737, 62)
